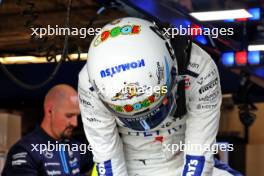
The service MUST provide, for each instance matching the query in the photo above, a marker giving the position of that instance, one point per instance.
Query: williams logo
(122, 68)
(194, 165)
(208, 86)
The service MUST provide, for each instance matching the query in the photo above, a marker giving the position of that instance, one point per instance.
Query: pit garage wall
(230, 124)
(10, 132)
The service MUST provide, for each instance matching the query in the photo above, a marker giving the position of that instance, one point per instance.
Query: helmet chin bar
(136, 114)
(149, 118)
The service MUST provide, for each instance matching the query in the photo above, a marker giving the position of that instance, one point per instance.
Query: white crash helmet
(130, 65)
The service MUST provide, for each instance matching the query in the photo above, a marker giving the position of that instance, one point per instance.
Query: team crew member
(129, 87)
(61, 109)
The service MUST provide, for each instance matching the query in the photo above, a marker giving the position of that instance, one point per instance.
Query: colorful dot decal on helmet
(138, 105)
(116, 31)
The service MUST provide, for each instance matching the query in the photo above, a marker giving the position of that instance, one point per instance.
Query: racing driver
(128, 93)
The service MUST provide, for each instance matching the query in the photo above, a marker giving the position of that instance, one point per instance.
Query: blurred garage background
(30, 65)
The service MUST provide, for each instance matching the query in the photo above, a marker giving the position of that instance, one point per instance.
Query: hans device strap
(182, 46)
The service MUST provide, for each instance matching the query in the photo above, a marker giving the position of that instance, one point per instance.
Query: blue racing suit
(29, 157)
